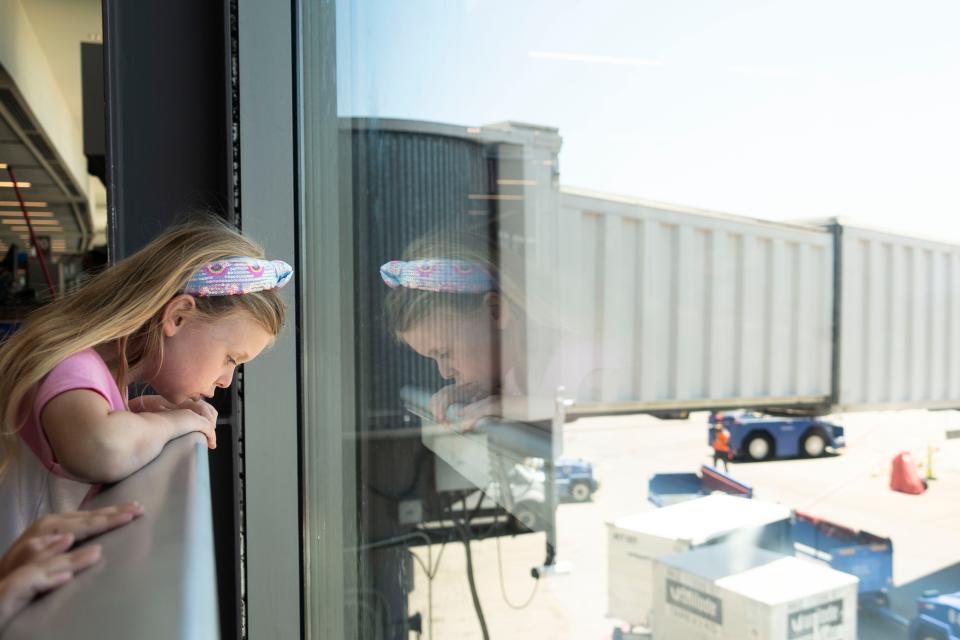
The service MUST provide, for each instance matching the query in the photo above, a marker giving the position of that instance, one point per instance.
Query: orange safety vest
(721, 442)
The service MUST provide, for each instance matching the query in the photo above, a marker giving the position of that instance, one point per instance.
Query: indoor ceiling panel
(17, 155)
(6, 133)
(36, 176)
(25, 145)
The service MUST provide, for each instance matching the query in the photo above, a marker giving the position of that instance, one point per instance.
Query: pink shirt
(35, 483)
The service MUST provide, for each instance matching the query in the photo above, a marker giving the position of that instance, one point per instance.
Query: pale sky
(779, 110)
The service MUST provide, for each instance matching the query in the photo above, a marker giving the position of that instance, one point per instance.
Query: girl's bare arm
(97, 445)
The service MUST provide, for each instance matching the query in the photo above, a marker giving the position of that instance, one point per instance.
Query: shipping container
(726, 592)
(635, 542)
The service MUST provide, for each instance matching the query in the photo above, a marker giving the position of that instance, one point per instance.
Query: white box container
(635, 542)
(739, 593)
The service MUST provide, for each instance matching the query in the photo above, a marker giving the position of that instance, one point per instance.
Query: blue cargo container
(863, 554)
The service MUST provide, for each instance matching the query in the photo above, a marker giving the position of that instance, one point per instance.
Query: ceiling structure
(56, 204)
(71, 213)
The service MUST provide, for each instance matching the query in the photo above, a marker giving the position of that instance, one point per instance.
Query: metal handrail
(157, 578)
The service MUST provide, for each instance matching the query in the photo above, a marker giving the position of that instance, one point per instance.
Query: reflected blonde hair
(123, 306)
(406, 308)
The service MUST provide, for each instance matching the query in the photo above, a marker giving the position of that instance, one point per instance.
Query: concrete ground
(849, 489)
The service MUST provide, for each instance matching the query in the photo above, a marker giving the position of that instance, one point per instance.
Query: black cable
(465, 534)
(476, 510)
(503, 588)
(493, 526)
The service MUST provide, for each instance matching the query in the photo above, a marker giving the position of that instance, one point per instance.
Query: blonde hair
(405, 308)
(123, 305)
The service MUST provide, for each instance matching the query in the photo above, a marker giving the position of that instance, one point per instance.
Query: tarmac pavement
(850, 489)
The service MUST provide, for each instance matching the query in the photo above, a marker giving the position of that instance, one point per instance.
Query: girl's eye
(231, 361)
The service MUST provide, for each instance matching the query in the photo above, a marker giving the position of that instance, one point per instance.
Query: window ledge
(157, 578)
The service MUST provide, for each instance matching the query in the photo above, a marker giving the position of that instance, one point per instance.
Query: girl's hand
(513, 408)
(150, 403)
(79, 525)
(201, 408)
(187, 424)
(48, 566)
(196, 415)
(491, 406)
(466, 393)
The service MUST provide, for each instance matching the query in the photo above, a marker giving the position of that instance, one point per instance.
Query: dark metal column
(170, 151)
(168, 117)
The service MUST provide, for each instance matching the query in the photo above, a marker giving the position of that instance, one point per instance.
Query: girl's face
(465, 346)
(199, 356)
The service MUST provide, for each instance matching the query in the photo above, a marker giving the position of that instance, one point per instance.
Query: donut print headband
(439, 275)
(238, 275)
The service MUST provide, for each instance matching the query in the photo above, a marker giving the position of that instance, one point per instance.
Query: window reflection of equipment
(422, 483)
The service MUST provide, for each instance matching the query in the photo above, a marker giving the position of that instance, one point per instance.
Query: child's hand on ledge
(40, 559)
(50, 565)
(79, 524)
(207, 425)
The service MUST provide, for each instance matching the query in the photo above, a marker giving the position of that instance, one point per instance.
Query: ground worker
(721, 443)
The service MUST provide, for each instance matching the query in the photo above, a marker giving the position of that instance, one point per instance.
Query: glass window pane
(616, 367)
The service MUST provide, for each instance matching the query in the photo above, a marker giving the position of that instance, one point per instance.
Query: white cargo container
(899, 303)
(636, 541)
(735, 592)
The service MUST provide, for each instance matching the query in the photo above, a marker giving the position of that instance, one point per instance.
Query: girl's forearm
(120, 445)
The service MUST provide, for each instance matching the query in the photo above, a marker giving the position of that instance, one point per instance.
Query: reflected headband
(439, 275)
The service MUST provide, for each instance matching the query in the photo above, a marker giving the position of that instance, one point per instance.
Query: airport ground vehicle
(938, 618)
(757, 437)
(573, 482)
(870, 558)
(574, 479)
(865, 555)
(671, 488)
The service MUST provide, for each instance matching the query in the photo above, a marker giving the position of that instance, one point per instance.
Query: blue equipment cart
(670, 488)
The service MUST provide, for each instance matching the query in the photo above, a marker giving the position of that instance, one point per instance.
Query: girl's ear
(175, 312)
(498, 310)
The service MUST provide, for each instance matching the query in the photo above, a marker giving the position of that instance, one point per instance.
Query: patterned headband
(440, 275)
(237, 275)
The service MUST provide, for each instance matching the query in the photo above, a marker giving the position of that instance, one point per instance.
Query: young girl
(179, 315)
(449, 302)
